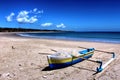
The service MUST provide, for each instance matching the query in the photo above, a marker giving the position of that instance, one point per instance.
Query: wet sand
(26, 59)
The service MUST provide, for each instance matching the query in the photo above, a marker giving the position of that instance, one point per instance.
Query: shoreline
(15, 34)
(26, 59)
(70, 39)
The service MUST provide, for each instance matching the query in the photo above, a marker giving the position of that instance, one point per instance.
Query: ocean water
(110, 37)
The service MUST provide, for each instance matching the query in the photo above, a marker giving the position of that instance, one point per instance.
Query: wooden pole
(97, 50)
(53, 50)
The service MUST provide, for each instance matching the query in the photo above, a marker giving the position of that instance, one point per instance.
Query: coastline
(71, 36)
(27, 59)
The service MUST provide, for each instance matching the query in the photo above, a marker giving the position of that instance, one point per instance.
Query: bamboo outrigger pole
(103, 66)
(98, 69)
(96, 50)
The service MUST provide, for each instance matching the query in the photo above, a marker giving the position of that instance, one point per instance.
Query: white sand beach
(26, 59)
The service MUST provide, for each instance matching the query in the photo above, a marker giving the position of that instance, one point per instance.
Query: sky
(75, 15)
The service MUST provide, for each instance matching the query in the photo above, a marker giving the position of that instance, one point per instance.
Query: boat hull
(61, 63)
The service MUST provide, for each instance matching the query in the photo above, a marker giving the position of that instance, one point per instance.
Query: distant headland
(24, 30)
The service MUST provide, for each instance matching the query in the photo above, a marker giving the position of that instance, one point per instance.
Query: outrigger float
(64, 59)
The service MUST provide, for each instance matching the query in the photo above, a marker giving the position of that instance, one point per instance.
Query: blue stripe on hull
(62, 65)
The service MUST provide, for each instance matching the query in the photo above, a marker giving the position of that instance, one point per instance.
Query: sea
(107, 37)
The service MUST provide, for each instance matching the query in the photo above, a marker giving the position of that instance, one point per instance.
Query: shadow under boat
(49, 69)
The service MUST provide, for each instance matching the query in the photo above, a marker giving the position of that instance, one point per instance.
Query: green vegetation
(21, 30)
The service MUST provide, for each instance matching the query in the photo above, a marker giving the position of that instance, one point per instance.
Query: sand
(26, 59)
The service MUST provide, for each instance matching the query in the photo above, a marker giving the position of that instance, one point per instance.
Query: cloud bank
(30, 17)
(25, 16)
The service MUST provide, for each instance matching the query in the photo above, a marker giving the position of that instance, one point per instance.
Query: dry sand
(26, 59)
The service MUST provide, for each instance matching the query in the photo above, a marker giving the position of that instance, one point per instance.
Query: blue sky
(77, 15)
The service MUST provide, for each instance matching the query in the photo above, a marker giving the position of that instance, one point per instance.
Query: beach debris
(20, 65)
(44, 76)
(8, 75)
(13, 47)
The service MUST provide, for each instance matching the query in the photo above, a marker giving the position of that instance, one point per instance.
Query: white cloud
(23, 17)
(26, 16)
(60, 25)
(33, 19)
(46, 24)
(35, 9)
(10, 17)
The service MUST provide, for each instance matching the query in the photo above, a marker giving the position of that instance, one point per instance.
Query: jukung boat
(64, 59)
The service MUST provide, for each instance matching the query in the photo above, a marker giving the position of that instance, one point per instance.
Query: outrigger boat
(64, 59)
